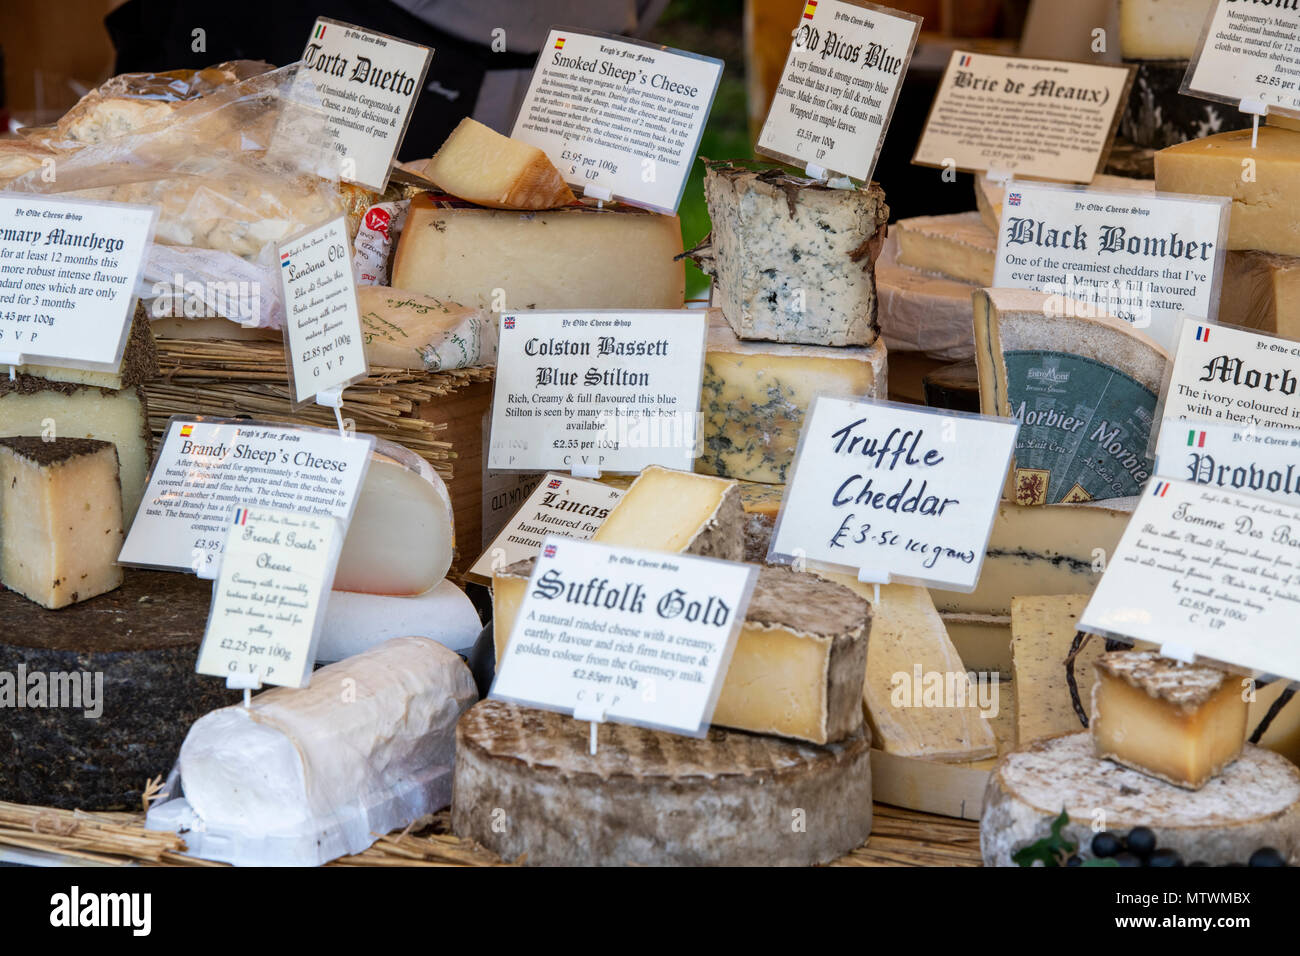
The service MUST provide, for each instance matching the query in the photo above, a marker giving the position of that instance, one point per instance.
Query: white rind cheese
(920, 312)
(357, 622)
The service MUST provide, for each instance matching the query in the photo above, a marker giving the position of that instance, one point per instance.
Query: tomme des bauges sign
(595, 392)
(1206, 572)
(839, 86)
(1044, 118)
(1249, 50)
(368, 83)
(1145, 258)
(68, 273)
(619, 118)
(894, 492)
(638, 637)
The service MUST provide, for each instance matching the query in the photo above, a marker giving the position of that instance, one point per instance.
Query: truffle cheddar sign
(893, 493)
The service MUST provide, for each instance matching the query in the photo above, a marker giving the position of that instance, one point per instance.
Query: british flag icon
(549, 551)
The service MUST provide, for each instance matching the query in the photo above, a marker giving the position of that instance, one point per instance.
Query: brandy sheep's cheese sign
(597, 392)
(891, 492)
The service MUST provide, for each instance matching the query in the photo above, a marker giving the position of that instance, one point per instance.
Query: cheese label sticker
(637, 637)
(1232, 376)
(893, 492)
(839, 87)
(619, 118)
(1145, 258)
(322, 323)
(267, 606)
(206, 465)
(1249, 50)
(1214, 572)
(68, 276)
(1085, 428)
(559, 504)
(596, 392)
(368, 83)
(1249, 460)
(1038, 118)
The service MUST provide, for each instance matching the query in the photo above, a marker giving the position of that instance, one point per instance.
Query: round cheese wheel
(1254, 803)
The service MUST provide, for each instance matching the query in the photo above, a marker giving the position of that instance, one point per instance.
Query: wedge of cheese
(959, 246)
(678, 511)
(1263, 182)
(1042, 630)
(479, 165)
(412, 331)
(139, 361)
(1083, 387)
(576, 257)
(1261, 291)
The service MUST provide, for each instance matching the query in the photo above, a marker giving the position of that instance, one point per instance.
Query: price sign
(1249, 51)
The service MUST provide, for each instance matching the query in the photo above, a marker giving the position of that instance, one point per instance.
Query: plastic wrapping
(921, 312)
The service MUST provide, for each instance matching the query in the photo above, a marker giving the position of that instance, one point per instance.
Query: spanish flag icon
(559, 43)
(809, 10)
(187, 431)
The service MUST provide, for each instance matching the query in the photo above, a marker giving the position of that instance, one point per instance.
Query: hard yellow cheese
(478, 164)
(959, 246)
(678, 511)
(1042, 630)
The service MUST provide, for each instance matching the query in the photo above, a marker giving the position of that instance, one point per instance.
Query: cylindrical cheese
(356, 622)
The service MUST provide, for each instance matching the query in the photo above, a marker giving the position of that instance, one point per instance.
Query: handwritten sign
(602, 391)
(638, 637)
(267, 602)
(559, 505)
(68, 274)
(368, 83)
(619, 118)
(1249, 51)
(905, 493)
(322, 322)
(1250, 460)
(1041, 118)
(1149, 260)
(205, 465)
(1212, 572)
(839, 86)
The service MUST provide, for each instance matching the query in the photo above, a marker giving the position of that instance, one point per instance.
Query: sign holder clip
(585, 471)
(875, 579)
(997, 174)
(245, 682)
(1178, 652)
(594, 714)
(13, 360)
(333, 398)
(1256, 108)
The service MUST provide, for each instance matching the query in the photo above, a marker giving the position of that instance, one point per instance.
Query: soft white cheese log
(357, 622)
(353, 752)
(402, 537)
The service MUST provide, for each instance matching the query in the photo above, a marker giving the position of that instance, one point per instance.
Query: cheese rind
(677, 511)
(755, 396)
(959, 246)
(792, 260)
(576, 257)
(1042, 630)
(478, 164)
(60, 519)
(1182, 723)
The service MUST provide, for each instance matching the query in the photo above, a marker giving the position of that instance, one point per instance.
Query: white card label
(322, 324)
(207, 465)
(886, 488)
(266, 603)
(1041, 118)
(617, 116)
(1250, 460)
(68, 275)
(839, 86)
(1149, 260)
(1250, 50)
(1212, 571)
(602, 391)
(638, 637)
(368, 83)
(559, 505)
(1229, 375)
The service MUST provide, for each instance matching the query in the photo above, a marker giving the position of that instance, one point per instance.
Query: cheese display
(755, 396)
(294, 778)
(959, 246)
(408, 330)
(1161, 29)
(678, 511)
(1083, 387)
(1265, 192)
(1181, 723)
(1261, 291)
(356, 622)
(479, 165)
(60, 519)
(576, 257)
(1042, 632)
(989, 194)
(724, 800)
(792, 259)
(1254, 804)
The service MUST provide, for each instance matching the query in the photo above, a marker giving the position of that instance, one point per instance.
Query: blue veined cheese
(793, 260)
(755, 395)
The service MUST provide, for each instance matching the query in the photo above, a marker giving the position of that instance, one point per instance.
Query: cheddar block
(479, 165)
(1261, 291)
(577, 257)
(1042, 630)
(1262, 181)
(407, 330)
(678, 511)
(1181, 723)
(959, 246)
(60, 519)
(1161, 29)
